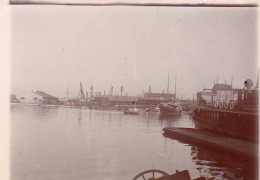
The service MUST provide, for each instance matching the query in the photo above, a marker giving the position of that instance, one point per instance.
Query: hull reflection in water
(169, 116)
(214, 164)
(177, 120)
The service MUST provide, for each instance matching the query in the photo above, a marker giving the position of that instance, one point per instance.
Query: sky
(53, 48)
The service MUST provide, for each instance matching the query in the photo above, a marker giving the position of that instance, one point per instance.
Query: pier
(233, 146)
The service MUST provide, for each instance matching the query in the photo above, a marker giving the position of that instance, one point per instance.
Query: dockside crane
(81, 94)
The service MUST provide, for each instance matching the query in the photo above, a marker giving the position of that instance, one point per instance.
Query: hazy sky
(54, 47)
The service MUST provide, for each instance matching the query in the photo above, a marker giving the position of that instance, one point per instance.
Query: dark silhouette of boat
(132, 111)
(170, 108)
(230, 111)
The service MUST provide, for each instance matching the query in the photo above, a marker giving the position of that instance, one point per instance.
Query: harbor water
(59, 143)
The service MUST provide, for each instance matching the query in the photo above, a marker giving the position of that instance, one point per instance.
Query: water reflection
(218, 165)
(67, 143)
(169, 117)
(222, 165)
(80, 117)
(178, 120)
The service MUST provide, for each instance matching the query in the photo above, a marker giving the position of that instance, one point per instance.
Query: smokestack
(121, 89)
(91, 91)
(111, 90)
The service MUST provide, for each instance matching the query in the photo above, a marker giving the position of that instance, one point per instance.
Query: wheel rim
(152, 172)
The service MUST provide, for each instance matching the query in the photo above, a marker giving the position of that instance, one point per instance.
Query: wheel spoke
(153, 171)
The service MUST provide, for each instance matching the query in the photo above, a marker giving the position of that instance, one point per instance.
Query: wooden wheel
(151, 174)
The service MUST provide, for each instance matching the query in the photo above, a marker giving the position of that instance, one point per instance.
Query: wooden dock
(233, 146)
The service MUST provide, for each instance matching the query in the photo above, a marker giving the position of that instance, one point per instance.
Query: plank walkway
(231, 145)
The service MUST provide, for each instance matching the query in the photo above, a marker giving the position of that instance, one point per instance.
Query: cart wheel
(152, 173)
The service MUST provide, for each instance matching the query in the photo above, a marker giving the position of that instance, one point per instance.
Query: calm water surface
(57, 143)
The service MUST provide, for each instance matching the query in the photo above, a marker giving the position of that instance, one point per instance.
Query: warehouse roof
(44, 95)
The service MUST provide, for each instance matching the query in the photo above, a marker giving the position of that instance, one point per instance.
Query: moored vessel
(229, 111)
(170, 108)
(132, 111)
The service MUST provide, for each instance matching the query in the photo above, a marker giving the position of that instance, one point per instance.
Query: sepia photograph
(134, 90)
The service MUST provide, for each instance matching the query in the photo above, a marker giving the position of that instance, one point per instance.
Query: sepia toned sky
(55, 47)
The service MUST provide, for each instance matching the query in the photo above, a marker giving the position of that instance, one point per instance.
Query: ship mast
(67, 90)
(231, 81)
(175, 86)
(168, 85)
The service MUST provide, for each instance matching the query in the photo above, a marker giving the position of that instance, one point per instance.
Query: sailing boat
(171, 107)
(132, 111)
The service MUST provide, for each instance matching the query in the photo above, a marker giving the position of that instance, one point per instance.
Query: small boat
(152, 109)
(170, 108)
(133, 111)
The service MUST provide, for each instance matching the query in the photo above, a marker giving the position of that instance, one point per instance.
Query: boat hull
(234, 123)
(169, 110)
(131, 112)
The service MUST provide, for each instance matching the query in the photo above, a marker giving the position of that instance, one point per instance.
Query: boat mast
(67, 90)
(175, 86)
(168, 85)
(231, 81)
